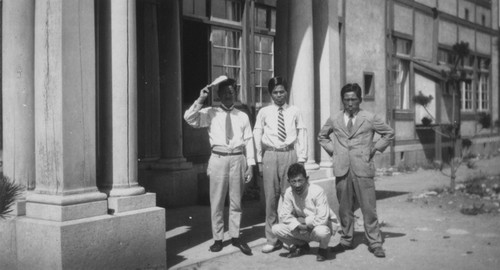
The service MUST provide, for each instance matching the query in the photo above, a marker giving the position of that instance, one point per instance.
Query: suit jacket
(352, 151)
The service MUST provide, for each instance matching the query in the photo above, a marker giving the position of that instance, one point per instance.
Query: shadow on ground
(187, 227)
(385, 194)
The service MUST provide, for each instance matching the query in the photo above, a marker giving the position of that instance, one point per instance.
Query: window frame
(371, 93)
(405, 58)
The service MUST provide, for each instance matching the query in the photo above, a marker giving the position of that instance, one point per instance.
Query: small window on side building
(369, 85)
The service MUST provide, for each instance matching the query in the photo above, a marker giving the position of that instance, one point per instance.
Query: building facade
(93, 94)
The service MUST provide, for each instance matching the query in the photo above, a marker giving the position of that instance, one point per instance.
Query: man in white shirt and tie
(281, 140)
(232, 159)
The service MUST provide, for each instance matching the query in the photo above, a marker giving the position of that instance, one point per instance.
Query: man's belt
(226, 153)
(284, 149)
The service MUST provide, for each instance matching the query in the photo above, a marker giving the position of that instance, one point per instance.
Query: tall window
(239, 44)
(226, 52)
(401, 73)
(482, 94)
(466, 91)
(264, 68)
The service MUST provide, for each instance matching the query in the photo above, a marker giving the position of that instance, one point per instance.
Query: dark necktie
(229, 127)
(281, 125)
(349, 123)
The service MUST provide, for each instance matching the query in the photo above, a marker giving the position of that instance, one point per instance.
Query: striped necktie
(281, 125)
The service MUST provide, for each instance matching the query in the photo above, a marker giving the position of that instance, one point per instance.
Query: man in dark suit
(348, 138)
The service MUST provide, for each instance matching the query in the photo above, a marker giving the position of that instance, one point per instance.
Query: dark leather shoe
(298, 250)
(340, 248)
(217, 246)
(322, 254)
(242, 246)
(378, 252)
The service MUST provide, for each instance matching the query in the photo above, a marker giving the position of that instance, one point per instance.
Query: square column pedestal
(132, 237)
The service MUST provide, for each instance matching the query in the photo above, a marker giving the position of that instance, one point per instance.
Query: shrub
(422, 99)
(9, 191)
(484, 119)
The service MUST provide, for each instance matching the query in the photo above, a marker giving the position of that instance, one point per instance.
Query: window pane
(233, 39)
(261, 17)
(401, 85)
(267, 62)
(227, 9)
(217, 56)
(267, 45)
(368, 84)
(200, 8)
(218, 37)
(219, 8)
(273, 19)
(188, 7)
(402, 46)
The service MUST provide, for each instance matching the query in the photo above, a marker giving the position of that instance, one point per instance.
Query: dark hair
(351, 87)
(224, 84)
(296, 169)
(275, 81)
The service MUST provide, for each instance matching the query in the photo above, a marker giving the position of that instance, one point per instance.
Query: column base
(129, 240)
(311, 165)
(172, 187)
(130, 203)
(173, 164)
(19, 208)
(66, 207)
(326, 164)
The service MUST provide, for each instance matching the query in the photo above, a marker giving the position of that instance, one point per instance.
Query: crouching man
(305, 215)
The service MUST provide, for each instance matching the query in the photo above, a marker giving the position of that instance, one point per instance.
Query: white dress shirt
(265, 130)
(346, 118)
(311, 206)
(214, 119)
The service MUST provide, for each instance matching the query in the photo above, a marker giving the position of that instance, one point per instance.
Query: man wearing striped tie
(231, 162)
(281, 139)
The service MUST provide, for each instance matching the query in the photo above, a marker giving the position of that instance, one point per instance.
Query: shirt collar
(285, 106)
(353, 116)
(226, 108)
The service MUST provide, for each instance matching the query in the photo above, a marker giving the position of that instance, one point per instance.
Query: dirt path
(416, 236)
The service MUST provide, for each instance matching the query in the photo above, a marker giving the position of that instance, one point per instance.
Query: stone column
(172, 156)
(281, 39)
(301, 68)
(65, 141)
(67, 223)
(121, 112)
(326, 37)
(18, 95)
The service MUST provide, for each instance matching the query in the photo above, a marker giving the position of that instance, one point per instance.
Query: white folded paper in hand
(218, 80)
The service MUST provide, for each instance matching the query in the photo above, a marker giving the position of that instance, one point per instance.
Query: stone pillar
(121, 113)
(326, 37)
(301, 68)
(65, 113)
(148, 87)
(172, 156)
(281, 39)
(67, 220)
(18, 95)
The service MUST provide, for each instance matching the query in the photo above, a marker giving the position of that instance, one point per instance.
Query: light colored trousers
(321, 234)
(275, 166)
(226, 172)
